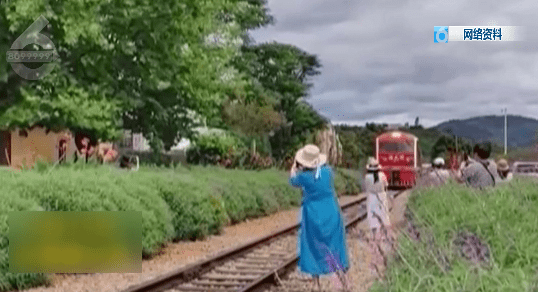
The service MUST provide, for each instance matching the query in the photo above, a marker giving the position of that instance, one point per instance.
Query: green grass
(504, 217)
(348, 182)
(182, 203)
(522, 154)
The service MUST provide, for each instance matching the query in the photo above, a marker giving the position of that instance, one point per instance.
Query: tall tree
(446, 142)
(251, 119)
(144, 64)
(283, 70)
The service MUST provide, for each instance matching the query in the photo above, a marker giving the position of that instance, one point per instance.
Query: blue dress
(322, 237)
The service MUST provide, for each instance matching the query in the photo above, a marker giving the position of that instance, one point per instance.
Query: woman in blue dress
(322, 237)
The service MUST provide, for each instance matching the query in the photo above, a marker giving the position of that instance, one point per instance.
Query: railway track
(254, 266)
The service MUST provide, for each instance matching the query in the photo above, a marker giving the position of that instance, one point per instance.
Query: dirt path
(359, 273)
(176, 255)
(397, 217)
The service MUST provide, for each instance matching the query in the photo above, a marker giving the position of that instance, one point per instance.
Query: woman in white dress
(375, 185)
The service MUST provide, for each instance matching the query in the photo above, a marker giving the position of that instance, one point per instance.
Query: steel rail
(192, 271)
(272, 277)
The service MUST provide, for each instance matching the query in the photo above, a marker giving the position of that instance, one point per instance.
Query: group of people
(478, 172)
(322, 245)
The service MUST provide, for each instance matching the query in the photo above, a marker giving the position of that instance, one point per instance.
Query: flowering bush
(340, 281)
(244, 159)
(176, 204)
(212, 148)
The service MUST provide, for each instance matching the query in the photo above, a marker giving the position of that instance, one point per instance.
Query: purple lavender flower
(334, 264)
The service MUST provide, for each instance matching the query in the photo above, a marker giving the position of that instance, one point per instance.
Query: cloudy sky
(380, 63)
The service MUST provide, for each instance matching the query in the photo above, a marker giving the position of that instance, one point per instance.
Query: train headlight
(396, 134)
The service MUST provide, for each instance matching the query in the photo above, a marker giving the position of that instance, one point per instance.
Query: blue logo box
(440, 34)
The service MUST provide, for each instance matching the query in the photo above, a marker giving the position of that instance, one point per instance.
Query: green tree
(358, 143)
(249, 14)
(251, 119)
(353, 148)
(446, 142)
(283, 71)
(144, 64)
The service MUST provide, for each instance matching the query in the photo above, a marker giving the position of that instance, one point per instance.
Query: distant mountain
(521, 130)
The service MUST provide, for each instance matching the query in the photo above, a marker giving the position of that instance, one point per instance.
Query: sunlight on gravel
(358, 276)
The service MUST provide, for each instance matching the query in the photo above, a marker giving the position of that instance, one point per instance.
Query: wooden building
(23, 147)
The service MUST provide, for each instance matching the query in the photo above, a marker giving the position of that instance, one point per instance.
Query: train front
(397, 154)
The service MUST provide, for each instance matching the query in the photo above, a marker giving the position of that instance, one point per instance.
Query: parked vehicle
(525, 168)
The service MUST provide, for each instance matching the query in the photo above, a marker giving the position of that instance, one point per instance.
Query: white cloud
(380, 62)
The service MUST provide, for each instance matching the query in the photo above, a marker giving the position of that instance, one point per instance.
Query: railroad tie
(301, 290)
(236, 271)
(261, 262)
(248, 266)
(248, 260)
(229, 277)
(222, 283)
(269, 258)
(295, 278)
(252, 267)
(201, 289)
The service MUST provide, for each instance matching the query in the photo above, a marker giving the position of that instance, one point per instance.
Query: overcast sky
(380, 63)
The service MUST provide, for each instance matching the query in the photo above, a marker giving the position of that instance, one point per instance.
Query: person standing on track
(322, 236)
(375, 185)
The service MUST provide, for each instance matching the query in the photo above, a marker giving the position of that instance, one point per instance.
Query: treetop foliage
(156, 67)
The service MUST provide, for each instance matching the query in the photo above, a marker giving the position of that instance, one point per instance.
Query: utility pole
(505, 132)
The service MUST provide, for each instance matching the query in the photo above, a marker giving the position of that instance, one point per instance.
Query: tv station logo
(443, 34)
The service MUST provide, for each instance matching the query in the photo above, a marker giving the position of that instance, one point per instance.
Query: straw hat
(439, 161)
(373, 164)
(502, 165)
(310, 156)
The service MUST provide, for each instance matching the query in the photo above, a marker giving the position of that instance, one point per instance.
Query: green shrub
(211, 148)
(93, 190)
(254, 194)
(239, 202)
(347, 183)
(245, 159)
(265, 198)
(176, 203)
(10, 202)
(196, 212)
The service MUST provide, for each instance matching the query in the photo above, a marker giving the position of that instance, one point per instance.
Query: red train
(398, 154)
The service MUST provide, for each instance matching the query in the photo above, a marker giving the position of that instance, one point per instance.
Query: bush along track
(460, 239)
(176, 204)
